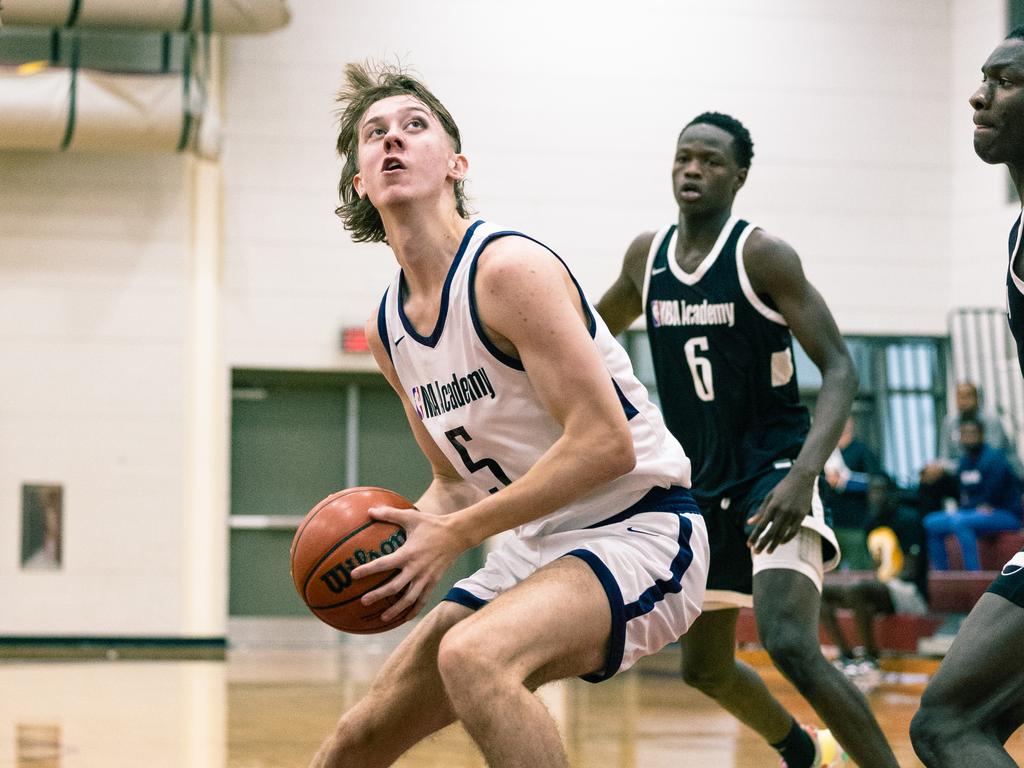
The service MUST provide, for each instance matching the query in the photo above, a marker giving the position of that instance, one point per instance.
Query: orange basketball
(337, 536)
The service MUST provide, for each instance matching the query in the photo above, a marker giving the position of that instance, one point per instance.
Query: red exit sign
(353, 340)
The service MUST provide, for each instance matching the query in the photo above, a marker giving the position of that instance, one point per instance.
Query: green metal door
(296, 438)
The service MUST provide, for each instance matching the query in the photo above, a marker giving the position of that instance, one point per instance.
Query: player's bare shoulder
(511, 258)
(770, 262)
(634, 263)
(511, 272)
(521, 287)
(622, 303)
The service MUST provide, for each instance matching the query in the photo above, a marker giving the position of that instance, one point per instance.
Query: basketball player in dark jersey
(721, 298)
(976, 699)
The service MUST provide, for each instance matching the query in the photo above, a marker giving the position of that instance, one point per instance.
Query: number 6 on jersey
(700, 368)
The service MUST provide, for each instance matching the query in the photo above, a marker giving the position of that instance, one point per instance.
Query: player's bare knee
(792, 651)
(709, 681)
(465, 663)
(931, 731)
(923, 736)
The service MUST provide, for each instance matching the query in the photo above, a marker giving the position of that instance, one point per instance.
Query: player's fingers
(786, 533)
(392, 515)
(779, 535)
(420, 604)
(408, 598)
(416, 610)
(391, 588)
(402, 616)
(754, 539)
(380, 564)
(390, 615)
(762, 511)
(763, 520)
(767, 532)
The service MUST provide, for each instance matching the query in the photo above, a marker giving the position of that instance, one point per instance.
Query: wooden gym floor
(269, 708)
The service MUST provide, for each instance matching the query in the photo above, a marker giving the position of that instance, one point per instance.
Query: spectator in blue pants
(989, 500)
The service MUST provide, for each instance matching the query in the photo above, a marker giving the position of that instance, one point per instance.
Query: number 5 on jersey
(700, 368)
(475, 465)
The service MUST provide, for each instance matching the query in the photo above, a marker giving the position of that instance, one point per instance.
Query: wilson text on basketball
(339, 578)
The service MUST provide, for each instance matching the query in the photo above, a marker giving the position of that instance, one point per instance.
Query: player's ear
(741, 179)
(357, 184)
(458, 166)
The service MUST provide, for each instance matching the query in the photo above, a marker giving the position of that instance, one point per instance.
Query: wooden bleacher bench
(957, 591)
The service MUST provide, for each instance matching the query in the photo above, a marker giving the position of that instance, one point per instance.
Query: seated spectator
(848, 472)
(938, 478)
(989, 500)
(900, 583)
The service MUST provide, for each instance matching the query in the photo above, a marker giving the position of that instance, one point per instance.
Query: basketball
(336, 537)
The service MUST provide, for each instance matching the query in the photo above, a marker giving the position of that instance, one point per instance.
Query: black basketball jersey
(1015, 295)
(723, 360)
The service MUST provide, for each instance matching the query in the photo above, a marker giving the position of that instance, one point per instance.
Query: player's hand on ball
(782, 513)
(430, 548)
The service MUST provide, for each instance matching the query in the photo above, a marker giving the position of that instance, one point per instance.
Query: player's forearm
(838, 387)
(616, 318)
(572, 467)
(445, 495)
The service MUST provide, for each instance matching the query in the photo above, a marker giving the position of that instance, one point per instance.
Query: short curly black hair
(742, 143)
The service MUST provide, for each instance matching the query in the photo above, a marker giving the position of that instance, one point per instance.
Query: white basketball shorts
(651, 559)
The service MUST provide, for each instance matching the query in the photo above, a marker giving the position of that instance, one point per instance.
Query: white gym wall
(569, 114)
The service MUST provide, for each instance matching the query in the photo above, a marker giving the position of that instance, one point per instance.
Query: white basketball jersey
(479, 406)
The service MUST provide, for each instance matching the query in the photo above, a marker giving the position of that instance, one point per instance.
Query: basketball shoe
(827, 752)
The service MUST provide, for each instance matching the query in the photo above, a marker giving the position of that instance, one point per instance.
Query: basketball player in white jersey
(532, 420)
